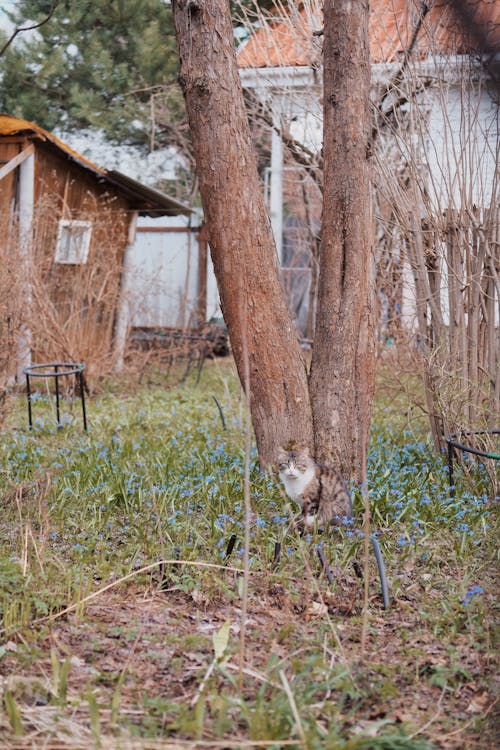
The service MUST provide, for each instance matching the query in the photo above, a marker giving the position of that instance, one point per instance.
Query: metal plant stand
(56, 370)
(454, 444)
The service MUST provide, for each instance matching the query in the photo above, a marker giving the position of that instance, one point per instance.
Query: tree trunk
(343, 362)
(240, 236)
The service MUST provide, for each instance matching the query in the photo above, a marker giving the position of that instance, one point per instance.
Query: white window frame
(73, 241)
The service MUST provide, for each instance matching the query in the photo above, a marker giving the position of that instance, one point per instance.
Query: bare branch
(20, 29)
(476, 27)
(380, 112)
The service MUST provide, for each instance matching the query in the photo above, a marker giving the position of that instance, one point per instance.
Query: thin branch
(380, 112)
(20, 29)
(303, 156)
(293, 706)
(477, 29)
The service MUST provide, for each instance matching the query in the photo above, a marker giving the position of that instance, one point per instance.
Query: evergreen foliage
(95, 63)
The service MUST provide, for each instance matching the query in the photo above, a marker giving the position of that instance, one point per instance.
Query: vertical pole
(276, 197)
(28, 395)
(26, 216)
(58, 420)
(201, 313)
(123, 313)
(450, 469)
(82, 396)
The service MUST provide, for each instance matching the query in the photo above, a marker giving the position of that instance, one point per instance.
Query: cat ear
(303, 450)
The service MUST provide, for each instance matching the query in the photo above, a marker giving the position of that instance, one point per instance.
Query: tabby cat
(319, 490)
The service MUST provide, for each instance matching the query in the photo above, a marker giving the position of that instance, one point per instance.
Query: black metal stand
(59, 370)
(453, 444)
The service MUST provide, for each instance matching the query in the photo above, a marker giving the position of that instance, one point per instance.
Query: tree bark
(343, 362)
(240, 236)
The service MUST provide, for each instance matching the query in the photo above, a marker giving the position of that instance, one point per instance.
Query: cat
(319, 490)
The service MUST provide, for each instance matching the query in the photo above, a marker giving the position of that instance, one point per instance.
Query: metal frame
(69, 368)
(453, 445)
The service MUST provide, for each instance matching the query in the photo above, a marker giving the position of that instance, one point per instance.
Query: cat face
(294, 464)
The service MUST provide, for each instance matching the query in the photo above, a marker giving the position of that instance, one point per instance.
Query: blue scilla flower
(473, 591)
(280, 519)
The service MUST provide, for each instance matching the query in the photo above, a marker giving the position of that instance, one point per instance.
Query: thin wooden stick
(123, 579)
(246, 495)
(366, 562)
(293, 706)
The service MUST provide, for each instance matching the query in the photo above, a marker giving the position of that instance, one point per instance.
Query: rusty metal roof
(289, 41)
(147, 201)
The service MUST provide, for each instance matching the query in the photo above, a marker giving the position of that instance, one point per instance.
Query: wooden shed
(65, 226)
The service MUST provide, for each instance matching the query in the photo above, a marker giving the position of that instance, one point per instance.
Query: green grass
(158, 478)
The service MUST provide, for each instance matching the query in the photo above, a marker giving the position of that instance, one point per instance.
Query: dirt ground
(159, 643)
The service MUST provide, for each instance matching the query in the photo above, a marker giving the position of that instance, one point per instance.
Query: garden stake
(221, 413)
(230, 546)
(381, 572)
(357, 569)
(326, 569)
(277, 554)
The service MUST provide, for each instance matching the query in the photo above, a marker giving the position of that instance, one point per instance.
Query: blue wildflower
(473, 591)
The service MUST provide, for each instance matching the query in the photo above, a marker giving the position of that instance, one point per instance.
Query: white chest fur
(296, 482)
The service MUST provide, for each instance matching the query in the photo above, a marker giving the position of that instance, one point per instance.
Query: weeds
(131, 648)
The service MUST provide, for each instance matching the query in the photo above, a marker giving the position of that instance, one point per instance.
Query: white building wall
(164, 275)
(462, 149)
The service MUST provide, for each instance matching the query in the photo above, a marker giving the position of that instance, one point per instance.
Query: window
(73, 241)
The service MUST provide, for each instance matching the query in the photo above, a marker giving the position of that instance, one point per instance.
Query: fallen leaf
(478, 703)
(316, 609)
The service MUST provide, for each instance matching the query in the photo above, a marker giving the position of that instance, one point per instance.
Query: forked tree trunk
(343, 363)
(243, 250)
(240, 236)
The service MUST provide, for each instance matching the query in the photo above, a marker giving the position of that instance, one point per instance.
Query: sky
(5, 24)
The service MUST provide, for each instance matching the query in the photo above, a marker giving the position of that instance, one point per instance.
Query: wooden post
(26, 215)
(123, 313)
(201, 313)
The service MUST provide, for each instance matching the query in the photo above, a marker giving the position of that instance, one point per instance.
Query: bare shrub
(74, 305)
(442, 227)
(11, 306)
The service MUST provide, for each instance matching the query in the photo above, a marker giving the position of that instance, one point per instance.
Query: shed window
(73, 241)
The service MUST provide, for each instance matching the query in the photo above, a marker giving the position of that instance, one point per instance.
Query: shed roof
(287, 42)
(146, 200)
